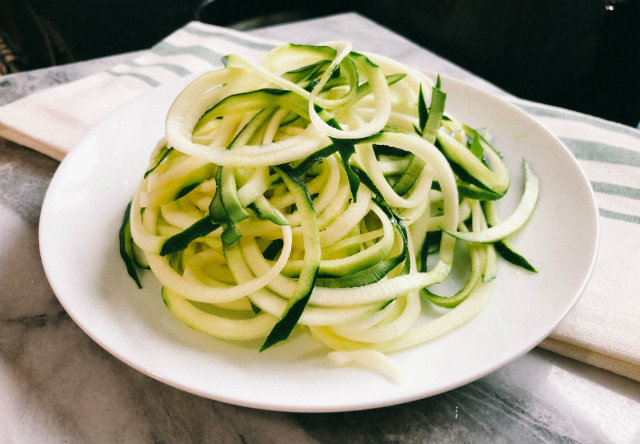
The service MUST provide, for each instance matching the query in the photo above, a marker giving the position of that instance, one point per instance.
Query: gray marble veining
(57, 385)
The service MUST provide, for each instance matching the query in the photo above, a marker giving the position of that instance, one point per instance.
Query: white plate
(79, 226)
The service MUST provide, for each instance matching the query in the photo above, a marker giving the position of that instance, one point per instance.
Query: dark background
(578, 54)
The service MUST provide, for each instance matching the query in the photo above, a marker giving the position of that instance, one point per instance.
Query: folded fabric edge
(20, 138)
(244, 35)
(194, 33)
(618, 366)
(538, 109)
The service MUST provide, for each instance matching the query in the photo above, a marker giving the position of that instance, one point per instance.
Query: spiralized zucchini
(318, 190)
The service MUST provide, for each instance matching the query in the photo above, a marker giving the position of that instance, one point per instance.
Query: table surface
(57, 385)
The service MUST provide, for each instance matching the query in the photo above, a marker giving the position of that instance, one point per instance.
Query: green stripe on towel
(208, 55)
(619, 216)
(177, 69)
(616, 190)
(146, 79)
(602, 152)
(558, 113)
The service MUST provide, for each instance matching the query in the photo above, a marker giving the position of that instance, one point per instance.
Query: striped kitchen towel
(54, 120)
(602, 329)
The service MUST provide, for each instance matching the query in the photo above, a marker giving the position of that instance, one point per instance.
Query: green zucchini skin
(363, 277)
(249, 150)
(516, 221)
(503, 247)
(254, 100)
(469, 168)
(162, 155)
(126, 246)
(307, 279)
(181, 240)
(508, 253)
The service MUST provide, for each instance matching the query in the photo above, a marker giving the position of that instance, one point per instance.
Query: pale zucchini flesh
(323, 189)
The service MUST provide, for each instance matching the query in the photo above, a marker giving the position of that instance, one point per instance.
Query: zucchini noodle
(325, 190)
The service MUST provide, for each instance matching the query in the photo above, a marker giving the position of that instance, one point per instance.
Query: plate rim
(275, 406)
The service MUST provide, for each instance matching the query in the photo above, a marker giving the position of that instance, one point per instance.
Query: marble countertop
(57, 385)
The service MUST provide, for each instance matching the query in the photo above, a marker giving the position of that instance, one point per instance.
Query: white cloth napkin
(603, 329)
(52, 121)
